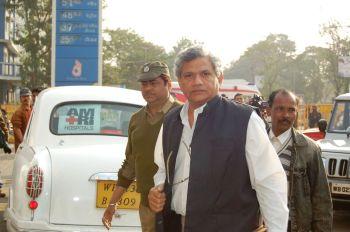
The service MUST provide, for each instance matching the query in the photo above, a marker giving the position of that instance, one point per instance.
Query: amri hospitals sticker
(80, 119)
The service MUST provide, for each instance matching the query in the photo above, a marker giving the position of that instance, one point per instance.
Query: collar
(212, 104)
(282, 138)
(165, 108)
(184, 113)
(299, 139)
(26, 108)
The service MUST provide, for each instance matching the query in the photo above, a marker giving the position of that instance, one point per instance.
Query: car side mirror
(348, 132)
(322, 125)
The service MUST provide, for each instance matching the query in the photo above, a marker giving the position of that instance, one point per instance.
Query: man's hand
(108, 216)
(156, 198)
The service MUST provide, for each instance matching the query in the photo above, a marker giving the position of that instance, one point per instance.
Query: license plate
(341, 188)
(130, 199)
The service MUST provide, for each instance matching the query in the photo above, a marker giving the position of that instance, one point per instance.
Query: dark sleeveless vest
(220, 197)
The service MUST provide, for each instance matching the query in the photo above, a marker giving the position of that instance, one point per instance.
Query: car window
(340, 119)
(91, 118)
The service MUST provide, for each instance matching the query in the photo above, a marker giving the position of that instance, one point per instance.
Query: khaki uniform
(142, 136)
(20, 121)
(139, 162)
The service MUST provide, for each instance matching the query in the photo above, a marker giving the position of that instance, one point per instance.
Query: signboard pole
(53, 44)
(100, 41)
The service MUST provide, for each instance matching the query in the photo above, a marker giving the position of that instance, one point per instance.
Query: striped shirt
(283, 145)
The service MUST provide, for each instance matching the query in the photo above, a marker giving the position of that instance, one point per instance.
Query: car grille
(338, 168)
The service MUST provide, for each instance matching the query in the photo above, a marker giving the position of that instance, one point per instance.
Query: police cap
(153, 70)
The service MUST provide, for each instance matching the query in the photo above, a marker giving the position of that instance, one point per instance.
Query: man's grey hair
(192, 53)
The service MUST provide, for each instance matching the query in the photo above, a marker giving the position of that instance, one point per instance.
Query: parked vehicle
(64, 170)
(317, 133)
(229, 88)
(336, 149)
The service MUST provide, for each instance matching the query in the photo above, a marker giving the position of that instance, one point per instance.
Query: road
(6, 163)
(341, 213)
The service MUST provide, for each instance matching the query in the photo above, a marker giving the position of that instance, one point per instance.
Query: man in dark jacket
(217, 169)
(309, 200)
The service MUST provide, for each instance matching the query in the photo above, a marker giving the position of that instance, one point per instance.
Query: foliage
(339, 45)
(312, 73)
(124, 52)
(269, 58)
(182, 44)
(34, 37)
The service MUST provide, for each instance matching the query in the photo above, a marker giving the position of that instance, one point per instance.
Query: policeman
(143, 131)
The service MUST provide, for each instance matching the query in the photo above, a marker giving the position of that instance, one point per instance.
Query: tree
(339, 45)
(34, 38)
(246, 67)
(269, 58)
(313, 71)
(124, 52)
(182, 44)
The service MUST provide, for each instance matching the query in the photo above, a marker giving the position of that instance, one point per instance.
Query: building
(9, 61)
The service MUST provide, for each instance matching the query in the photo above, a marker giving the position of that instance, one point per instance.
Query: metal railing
(9, 69)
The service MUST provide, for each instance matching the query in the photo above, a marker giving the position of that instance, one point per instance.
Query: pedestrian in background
(4, 134)
(35, 93)
(4, 126)
(3, 145)
(217, 169)
(314, 117)
(143, 131)
(238, 98)
(310, 203)
(21, 116)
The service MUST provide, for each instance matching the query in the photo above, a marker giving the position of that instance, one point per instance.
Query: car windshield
(340, 121)
(87, 118)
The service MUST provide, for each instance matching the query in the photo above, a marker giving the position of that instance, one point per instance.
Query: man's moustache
(285, 121)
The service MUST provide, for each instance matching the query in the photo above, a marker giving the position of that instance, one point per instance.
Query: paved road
(6, 163)
(341, 213)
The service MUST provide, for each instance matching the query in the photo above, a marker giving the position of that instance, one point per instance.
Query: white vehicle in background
(335, 149)
(65, 169)
(228, 88)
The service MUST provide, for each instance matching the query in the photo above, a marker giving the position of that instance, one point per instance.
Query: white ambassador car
(64, 170)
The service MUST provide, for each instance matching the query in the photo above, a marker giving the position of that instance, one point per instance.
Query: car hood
(73, 194)
(339, 145)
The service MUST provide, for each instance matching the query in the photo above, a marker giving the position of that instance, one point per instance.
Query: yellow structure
(304, 110)
(10, 109)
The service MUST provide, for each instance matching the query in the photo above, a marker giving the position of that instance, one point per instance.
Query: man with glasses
(143, 131)
(217, 168)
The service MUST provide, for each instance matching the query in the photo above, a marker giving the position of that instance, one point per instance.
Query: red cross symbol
(71, 120)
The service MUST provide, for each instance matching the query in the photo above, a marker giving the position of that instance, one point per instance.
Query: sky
(226, 27)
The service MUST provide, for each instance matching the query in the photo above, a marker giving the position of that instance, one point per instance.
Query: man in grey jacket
(309, 200)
